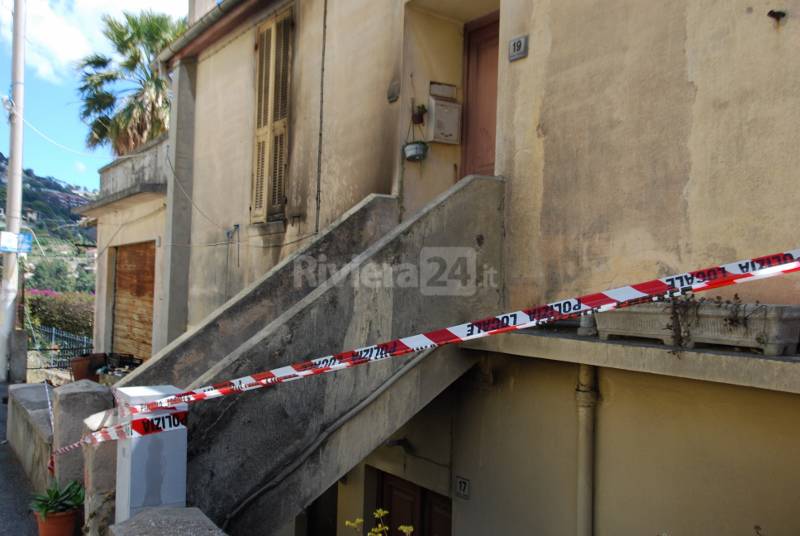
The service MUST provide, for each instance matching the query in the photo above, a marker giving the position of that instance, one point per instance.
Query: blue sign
(12, 243)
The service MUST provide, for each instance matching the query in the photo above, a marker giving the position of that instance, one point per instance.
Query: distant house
(31, 216)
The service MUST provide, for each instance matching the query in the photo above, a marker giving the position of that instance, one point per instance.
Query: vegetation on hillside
(53, 201)
(55, 274)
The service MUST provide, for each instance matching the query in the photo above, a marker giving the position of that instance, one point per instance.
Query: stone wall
(29, 431)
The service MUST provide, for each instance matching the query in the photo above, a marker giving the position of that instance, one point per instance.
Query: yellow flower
(355, 523)
(380, 512)
(406, 529)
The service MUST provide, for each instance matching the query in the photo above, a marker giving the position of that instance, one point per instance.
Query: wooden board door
(134, 282)
(409, 504)
(480, 109)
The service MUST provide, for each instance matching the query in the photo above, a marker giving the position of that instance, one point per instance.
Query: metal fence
(58, 347)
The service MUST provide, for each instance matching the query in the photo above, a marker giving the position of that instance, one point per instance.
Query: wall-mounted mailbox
(443, 124)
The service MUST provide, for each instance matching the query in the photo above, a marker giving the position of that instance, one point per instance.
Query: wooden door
(134, 277)
(480, 110)
(409, 504)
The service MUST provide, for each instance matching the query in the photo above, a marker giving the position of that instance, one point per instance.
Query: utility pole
(14, 189)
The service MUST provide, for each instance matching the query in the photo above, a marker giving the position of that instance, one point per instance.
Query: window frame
(263, 207)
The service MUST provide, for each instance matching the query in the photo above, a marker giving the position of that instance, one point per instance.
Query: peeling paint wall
(642, 139)
(358, 151)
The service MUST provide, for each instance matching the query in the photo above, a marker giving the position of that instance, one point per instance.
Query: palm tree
(125, 99)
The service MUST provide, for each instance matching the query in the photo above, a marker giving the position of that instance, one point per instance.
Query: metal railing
(57, 346)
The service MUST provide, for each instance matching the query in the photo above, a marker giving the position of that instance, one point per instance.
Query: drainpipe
(586, 398)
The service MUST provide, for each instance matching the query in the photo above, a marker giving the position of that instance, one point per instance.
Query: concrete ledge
(99, 476)
(747, 370)
(18, 360)
(29, 433)
(167, 522)
(137, 189)
(72, 403)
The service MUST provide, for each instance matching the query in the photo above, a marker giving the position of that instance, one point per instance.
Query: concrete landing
(167, 522)
(15, 491)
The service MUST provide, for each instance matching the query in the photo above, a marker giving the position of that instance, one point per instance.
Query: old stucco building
(603, 143)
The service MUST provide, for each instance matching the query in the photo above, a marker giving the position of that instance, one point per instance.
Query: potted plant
(415, 151)
(57, 509)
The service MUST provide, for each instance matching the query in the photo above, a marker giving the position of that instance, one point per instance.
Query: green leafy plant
(57, 499)
(381, 528)
(72, 312)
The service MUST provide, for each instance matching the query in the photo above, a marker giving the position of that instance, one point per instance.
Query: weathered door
(409, 504)
(134, 276)
(480, 110)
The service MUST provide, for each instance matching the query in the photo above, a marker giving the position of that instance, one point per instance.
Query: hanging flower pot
(415, 151)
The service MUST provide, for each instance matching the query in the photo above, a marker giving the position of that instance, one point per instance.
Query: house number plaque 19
(518, 48)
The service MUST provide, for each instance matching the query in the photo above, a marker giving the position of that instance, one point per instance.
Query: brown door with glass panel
(408, 504)
(481, 41)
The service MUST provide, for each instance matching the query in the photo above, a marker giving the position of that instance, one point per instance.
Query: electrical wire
(189, 197)
(120, 226)
(82, 153)
(221, 227)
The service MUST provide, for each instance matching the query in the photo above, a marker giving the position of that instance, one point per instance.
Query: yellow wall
(673, 456)
(432, 51)
(688, 457)
(643, 138)
(515, 441)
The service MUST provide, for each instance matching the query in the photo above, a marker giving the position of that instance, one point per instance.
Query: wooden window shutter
(271, 150)
(258, 195)
(280, 117)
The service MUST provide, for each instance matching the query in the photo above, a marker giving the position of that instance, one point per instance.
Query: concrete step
(257, 459)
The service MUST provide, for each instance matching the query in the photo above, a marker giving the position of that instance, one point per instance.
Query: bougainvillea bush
(69, 311)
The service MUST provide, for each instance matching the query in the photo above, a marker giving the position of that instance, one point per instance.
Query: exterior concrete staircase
(194, 352)
(257, 459)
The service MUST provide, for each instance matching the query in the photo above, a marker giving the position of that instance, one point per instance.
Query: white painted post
(151, 469)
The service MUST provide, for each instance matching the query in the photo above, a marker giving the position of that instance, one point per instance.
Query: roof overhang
(209, 28)
(135, 194)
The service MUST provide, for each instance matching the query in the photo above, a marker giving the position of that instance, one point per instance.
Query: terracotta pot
(58, 524)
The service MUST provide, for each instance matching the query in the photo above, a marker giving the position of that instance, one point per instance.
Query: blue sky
(59, 33)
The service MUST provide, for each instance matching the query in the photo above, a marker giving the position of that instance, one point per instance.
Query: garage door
(134, 277)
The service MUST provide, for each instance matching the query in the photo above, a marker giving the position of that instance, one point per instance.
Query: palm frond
(125, 99)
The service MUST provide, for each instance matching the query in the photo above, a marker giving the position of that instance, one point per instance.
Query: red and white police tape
(653, 290)
(137, 427)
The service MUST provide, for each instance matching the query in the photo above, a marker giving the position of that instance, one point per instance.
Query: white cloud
(80, 167)
(61, 32)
